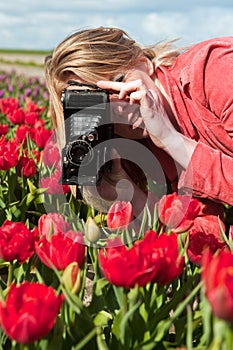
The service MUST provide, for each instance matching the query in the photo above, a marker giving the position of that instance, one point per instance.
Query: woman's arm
(209, 175)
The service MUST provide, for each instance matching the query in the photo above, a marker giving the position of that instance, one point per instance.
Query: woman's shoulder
(194, 59)
(219, 41)
(203, 62)
(201, 50)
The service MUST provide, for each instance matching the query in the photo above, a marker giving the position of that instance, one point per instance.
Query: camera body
(87, 125)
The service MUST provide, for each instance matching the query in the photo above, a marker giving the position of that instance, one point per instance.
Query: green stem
(189, 337)
(57, 205)
(229, 337)
(10, 273)
(86, 339)
(125, 301)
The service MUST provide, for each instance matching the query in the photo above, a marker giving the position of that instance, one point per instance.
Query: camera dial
(79, 153)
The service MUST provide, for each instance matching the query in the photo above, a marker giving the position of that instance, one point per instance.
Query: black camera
(87, 125)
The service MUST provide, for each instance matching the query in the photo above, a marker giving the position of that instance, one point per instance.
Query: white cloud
(199, 24)
(163, 27)
(42, 24)
(212, 22)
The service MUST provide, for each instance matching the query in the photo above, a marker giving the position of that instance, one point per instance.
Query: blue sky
(42, 24)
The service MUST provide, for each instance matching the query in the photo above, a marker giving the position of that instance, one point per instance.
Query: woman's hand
(154, 116)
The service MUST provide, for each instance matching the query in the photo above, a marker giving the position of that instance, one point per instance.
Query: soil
(29, 65)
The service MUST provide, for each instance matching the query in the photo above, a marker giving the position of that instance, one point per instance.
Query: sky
(42, 24)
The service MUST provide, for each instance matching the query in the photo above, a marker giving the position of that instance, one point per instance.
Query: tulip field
(72, 278)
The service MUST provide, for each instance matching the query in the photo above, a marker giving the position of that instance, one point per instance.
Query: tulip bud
(71, 278)
(92, 230)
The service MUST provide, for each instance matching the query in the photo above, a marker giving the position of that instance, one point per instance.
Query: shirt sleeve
(209, 175)
(218, 84)
(210, 172)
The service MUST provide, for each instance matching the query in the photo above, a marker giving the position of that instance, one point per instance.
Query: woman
(177, 103)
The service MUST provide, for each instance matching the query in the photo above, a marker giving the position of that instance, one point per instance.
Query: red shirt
(200, 86)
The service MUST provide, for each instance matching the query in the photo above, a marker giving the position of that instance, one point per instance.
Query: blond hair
(92, 55)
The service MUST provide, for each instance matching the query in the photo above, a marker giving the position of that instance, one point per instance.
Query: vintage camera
(87, 125)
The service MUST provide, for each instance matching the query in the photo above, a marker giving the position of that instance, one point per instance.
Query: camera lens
(80, 153)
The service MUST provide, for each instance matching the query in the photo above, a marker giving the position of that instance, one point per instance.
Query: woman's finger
(110, 85)
(130, 87)
(123, 88)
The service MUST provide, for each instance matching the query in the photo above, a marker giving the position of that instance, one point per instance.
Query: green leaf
(2, 203)
(99, 285)
(124, 324)
(118, 291)
(207, 319)
(29, 198)
(100, 341)
(32, 187)
(116, 324)
(164, 325)
(102, 318)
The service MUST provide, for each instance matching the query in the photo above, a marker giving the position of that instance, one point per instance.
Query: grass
(21, 63)
(23, 52)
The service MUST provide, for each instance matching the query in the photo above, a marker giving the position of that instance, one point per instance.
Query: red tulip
(17, 116)
(8, 105)
(62, 249)
(52, 184)
(130, 267)
(27, 167)
(22, 132)
(31, 106)
(51, 154)
(9, 154)
(3, 129)
(29, 312)
(171, 263)
(52, 223)
(198, 242)
(152, 259)
(178, 212)
(218, 282)
(16, 241)
(31, 117)
(120, 214)
(39, 124)
(41, 136)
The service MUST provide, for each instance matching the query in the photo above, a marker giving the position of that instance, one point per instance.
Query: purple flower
(28, 92)
(45, 95)
(10, 88)
(36, 91)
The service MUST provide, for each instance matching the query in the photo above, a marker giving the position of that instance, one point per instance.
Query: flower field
(156, 285)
